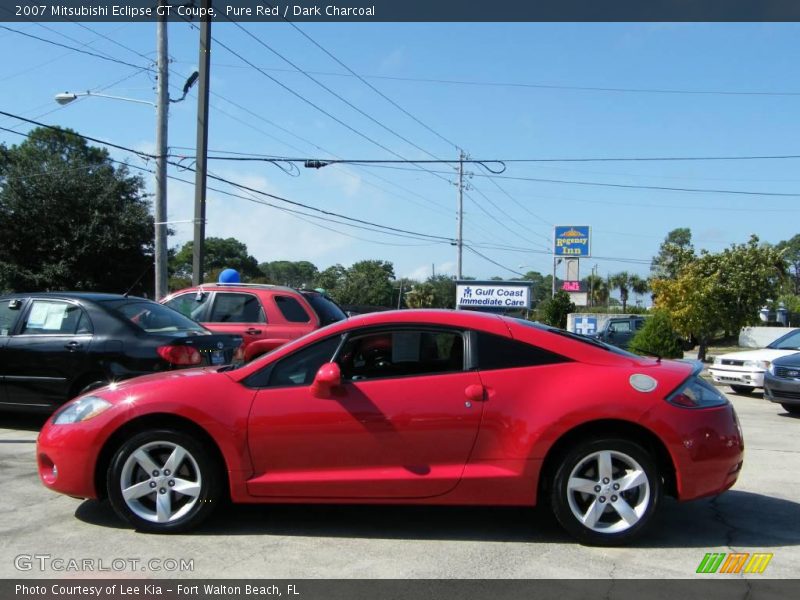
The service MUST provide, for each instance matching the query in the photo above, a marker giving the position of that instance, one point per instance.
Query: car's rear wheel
(606, 491)
(742, 389)
(164, 481)
(792, 409)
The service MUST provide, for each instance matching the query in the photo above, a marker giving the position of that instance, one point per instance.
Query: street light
(160, 251)
(67, 97)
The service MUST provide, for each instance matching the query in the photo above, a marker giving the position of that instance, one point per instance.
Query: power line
(230, 182)
(543, 86)
(370, 86)
(74, 49)
(495, 263)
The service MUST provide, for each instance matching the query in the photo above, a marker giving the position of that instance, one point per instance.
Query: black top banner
(369, 11)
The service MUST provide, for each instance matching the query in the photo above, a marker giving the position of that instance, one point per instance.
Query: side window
(401, 354)
(189, 305)
(236, 308)
(301, 367)
(8, 316)
(54, 317)
(498, 352)
(620, 327)
(292, 310)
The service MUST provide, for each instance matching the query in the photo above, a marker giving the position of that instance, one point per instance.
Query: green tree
(627, 283)
(791, 253)
(597, 288)
(675, 252)
(366, 282)
(285, 272)
(70, 218)
(721, 292)
(438, 291)
(556, 309)
(542, 286)
(658, 337)
(220, 254)
(331, 279)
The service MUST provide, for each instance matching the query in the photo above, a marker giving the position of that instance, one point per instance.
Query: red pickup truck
(266, 316)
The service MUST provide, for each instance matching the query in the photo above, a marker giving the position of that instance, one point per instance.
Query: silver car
(782, 383)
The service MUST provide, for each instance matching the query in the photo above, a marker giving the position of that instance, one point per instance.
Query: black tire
(199, 475)
(745, 390)
(601, 500)
(792, 409)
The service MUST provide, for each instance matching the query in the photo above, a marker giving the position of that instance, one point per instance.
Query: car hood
(760, 354)
(791, 360)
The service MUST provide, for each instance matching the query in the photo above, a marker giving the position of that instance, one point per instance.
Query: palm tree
(598, 289)
(625, 283)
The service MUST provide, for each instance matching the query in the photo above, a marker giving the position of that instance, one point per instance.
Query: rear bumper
(706, 447)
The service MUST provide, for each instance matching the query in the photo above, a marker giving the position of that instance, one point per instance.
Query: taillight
(697, 393)
(180, 355)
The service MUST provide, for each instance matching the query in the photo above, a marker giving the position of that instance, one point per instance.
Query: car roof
(88, 296)
(236, 287)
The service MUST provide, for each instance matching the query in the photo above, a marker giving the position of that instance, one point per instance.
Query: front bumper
(781, 390)
(737, 376)
(66, 456)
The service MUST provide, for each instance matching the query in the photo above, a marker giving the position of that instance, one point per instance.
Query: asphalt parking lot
(760, 514)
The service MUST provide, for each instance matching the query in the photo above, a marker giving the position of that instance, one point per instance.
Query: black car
(782, 383)
(57, 345)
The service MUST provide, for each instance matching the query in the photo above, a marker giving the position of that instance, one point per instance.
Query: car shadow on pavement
(739, 519)
(22, 421)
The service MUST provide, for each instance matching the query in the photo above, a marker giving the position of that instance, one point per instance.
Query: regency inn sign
(493, 295)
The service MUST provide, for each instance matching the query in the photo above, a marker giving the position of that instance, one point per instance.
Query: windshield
(154, 318)
(327, 310)
(790, 341)
(578, 338)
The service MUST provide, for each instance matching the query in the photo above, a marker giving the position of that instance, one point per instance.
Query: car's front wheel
(164, 481)
(792, 409)
(605, 491)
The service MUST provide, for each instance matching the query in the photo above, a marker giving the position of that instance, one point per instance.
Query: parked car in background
(620, 331)
(406, 407)
(782, 383)
(744, 371)
(265, 316)
(54, 346)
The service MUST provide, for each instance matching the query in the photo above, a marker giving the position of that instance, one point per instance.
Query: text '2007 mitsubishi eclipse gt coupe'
(407, 407)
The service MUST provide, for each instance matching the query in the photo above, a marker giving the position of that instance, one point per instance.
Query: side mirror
(328, 377)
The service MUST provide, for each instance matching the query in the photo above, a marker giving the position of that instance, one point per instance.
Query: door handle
(72, 345)
(475, 393)
(252, 331)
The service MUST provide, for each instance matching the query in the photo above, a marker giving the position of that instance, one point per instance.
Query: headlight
(771, 369)
(85, 408)
(757, 364)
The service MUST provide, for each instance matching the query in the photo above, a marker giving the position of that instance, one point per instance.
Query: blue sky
(488, 121)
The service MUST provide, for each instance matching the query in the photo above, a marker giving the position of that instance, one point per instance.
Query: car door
(10, 310)
(237, 313)
(47, 354)
(401, 425)
(620, 333)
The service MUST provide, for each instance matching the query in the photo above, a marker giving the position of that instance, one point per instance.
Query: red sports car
(412, 407)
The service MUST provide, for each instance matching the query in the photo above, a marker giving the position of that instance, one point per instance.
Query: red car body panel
(471, 437)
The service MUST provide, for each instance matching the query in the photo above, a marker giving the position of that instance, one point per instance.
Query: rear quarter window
(498, 352)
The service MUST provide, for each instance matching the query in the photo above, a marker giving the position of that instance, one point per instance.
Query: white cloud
(422, 272)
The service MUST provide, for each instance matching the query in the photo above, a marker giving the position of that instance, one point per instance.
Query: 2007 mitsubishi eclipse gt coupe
(406, 407)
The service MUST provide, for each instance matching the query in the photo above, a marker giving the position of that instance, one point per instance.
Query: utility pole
(460, 233)
(162, 114)
(201, 160)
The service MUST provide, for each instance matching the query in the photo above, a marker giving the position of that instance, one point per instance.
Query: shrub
(658, 337)
(556, 309)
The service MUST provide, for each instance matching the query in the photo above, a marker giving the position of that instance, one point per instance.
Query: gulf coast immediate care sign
(496, 295)
(572, 240)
